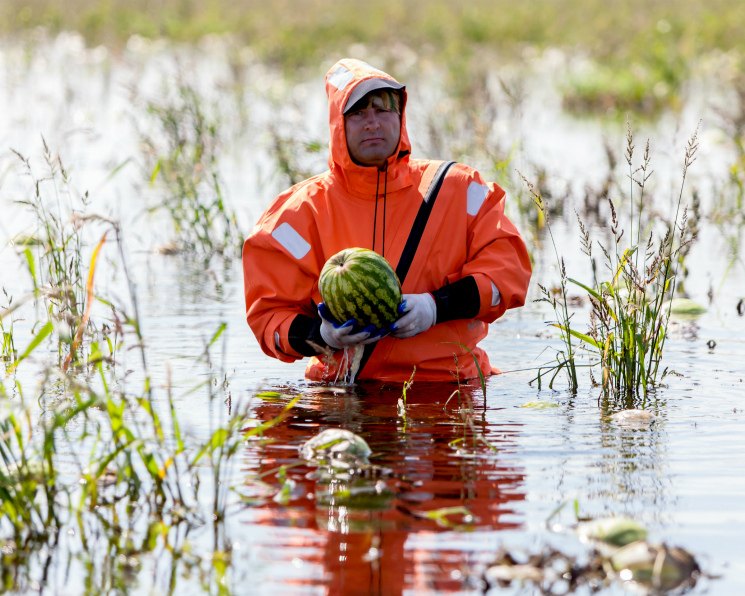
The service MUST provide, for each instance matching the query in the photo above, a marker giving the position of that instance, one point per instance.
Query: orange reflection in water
(368, 533)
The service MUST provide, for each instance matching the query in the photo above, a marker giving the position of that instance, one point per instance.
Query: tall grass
(96, 473)
(9, 352)
(181, 144)
(53, 252)
(631, 303)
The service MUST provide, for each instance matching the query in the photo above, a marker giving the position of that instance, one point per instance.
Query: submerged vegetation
(180, 142)
(631, 305)
(102, 475)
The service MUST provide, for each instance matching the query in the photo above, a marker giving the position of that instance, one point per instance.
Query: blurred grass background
(294, 32)
(639, 52)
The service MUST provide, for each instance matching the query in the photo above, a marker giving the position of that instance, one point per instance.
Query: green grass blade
(475, 360)
(578, 335)
(589, 290)
(38, 338)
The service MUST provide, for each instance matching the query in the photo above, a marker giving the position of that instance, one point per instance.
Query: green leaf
(154, 175)
(578, 335)
(686, 307)
(118, 168)
(32, 268)
(38, 338)
(269, 395)
(616, 531)
(218, 333)
(586, 288)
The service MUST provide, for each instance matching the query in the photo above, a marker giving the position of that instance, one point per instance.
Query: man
(470, 265)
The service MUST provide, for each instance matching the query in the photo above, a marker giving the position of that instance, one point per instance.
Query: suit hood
(341, 81)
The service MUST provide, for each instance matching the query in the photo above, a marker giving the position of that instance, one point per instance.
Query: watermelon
(357, 283)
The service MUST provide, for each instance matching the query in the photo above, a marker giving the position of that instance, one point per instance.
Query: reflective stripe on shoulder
(496, 297)
(291, 241)
(476, 197)
(340, 77)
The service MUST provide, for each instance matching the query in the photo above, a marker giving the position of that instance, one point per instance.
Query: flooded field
(200, 483)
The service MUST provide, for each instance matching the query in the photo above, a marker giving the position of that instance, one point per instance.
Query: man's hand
(419, 314)
(339, 336)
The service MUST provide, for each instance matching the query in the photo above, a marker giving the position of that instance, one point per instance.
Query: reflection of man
(359, 531)
(470, 265)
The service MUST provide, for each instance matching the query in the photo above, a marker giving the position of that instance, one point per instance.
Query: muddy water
(681, 475)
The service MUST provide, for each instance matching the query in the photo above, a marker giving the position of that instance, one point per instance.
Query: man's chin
(376, 159)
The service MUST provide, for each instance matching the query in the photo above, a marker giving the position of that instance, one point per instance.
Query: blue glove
(339, 336)
(419, 313)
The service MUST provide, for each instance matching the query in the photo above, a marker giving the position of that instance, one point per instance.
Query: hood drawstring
(385, 196)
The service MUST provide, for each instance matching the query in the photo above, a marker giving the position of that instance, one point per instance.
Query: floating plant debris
(656, 566)
(686, 307)
(617, 531)
(336, 447)
(539, 404)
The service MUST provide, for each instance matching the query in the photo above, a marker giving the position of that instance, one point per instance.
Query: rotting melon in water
(357, 283)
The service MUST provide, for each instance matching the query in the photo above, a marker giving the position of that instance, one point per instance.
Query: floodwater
(680, 474)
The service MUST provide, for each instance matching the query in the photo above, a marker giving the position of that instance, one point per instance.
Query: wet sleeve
(304, 334)
(458, 300)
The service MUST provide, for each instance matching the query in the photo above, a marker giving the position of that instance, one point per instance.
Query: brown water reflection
(360, 528)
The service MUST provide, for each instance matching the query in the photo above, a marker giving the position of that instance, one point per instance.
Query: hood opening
(348, 81)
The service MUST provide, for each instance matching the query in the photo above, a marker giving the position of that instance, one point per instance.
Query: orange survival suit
(467, 237)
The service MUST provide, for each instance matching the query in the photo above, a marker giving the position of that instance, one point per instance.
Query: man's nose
(371, 119)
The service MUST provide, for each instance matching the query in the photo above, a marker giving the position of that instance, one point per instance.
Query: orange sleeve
(280, 274)
(496, 253)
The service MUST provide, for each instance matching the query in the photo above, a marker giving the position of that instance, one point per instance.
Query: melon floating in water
(686, 307)
(357, 283)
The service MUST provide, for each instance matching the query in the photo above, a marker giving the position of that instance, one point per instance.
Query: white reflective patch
(373, 68)
(276, 339)
(476, 197)
(291, 241)
(340, 77)
(496, 297)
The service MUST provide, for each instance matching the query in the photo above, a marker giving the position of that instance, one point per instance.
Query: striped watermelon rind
(358, 283)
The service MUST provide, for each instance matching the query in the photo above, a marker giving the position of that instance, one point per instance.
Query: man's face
(373, 128)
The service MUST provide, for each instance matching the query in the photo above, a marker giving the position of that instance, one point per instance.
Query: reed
(87, 455)
(181, 146)
(53, 252)
(9, 352)
(631, 305)
(467, 412)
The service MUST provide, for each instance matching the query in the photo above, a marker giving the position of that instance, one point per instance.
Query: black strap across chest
(412, 242)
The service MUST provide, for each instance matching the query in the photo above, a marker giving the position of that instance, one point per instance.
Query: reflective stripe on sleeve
(291, 241)
(476, 197)
(496, 297)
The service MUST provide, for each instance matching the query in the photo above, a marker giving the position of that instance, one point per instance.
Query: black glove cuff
(302, 330)
(458, 300)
